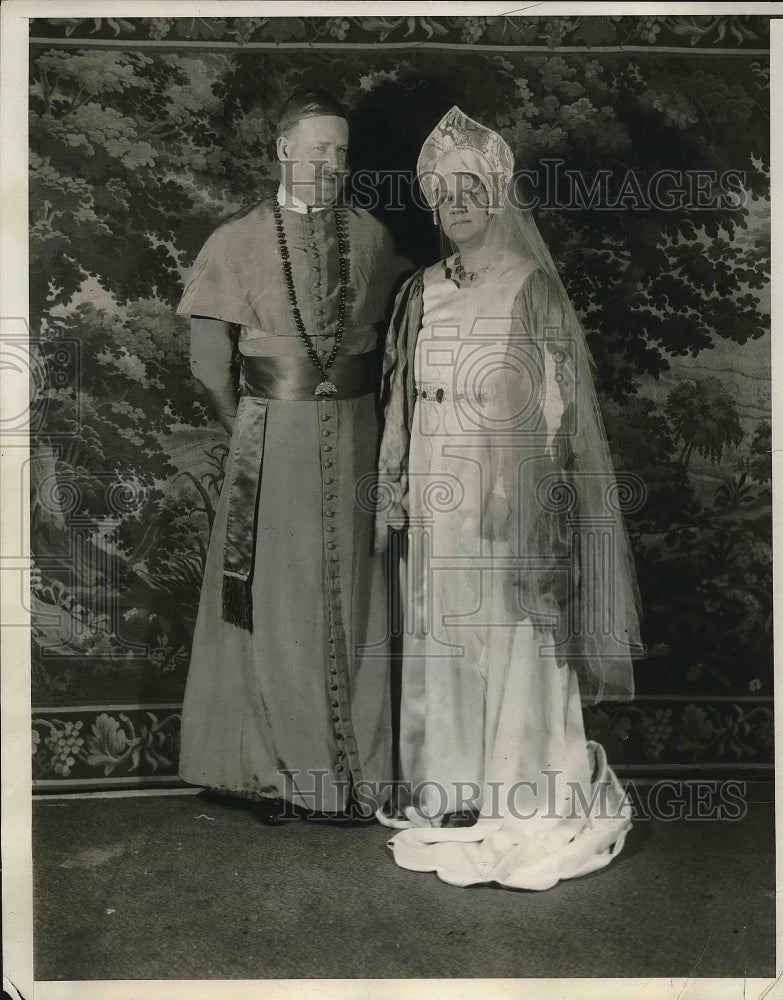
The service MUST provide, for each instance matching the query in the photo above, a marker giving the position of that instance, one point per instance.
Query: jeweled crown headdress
(457, 131)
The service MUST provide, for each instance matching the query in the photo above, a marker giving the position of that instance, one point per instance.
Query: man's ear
(282, 147)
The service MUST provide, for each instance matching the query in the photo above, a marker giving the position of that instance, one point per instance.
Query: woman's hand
(494, 524)
(391, 512)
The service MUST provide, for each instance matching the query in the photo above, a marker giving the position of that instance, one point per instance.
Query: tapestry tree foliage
(137, 156)
(704, 419)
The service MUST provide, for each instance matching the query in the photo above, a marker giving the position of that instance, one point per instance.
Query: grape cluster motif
(160, 27)
(245, 27)
(473, 28)
(338, 27)
(656, 730)
(556, 30)
(649, 29)
(65, 745)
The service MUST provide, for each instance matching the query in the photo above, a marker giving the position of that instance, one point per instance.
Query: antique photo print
(387, 442)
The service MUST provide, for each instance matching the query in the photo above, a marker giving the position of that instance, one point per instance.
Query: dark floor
(178, 888)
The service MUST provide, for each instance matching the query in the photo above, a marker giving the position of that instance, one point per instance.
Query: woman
(518, 586)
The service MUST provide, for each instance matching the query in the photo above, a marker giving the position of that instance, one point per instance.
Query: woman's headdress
(460, 142)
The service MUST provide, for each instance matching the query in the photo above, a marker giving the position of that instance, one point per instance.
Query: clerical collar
(290, 202)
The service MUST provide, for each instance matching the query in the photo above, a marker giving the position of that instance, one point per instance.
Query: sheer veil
(579, 501)
(568, 505)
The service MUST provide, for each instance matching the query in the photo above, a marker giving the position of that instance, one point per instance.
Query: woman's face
(463, 209)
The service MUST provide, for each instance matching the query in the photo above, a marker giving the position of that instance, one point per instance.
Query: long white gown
(488, 718)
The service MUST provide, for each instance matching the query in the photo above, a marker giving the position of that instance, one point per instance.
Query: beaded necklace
(463, 276)
(326, 387)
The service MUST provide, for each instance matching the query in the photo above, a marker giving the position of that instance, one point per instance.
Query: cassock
(287, 694)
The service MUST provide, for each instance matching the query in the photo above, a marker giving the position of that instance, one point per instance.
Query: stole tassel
(238, 602)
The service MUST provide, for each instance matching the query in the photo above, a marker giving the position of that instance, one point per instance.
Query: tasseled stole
(243, 481)
(238, 602)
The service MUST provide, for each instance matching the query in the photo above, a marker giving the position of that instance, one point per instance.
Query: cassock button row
(329, 513)
(331, 545)
(325, 416)
(326, 447)
(329, 528)
(328, 465)
(326, 433)
(328, 496)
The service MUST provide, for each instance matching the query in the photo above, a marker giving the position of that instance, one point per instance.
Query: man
(282, 701)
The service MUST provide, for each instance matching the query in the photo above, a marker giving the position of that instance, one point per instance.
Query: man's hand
(211, 361)
(224, 406)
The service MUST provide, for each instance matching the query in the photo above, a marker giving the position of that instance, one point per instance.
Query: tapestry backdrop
(647, 142)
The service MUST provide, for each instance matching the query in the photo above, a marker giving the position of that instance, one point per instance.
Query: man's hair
(307, 104)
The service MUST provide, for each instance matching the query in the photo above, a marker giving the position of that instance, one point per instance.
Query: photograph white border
(14, 537)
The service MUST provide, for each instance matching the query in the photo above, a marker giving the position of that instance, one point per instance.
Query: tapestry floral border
(124, 746)
(702, 31)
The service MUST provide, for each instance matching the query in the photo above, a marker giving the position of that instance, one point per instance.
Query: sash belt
(266, 378)
(296, 378)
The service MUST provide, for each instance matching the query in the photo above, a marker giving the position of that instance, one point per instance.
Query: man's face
(313, 155)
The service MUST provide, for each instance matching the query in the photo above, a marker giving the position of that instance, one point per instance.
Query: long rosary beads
(326, 387)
